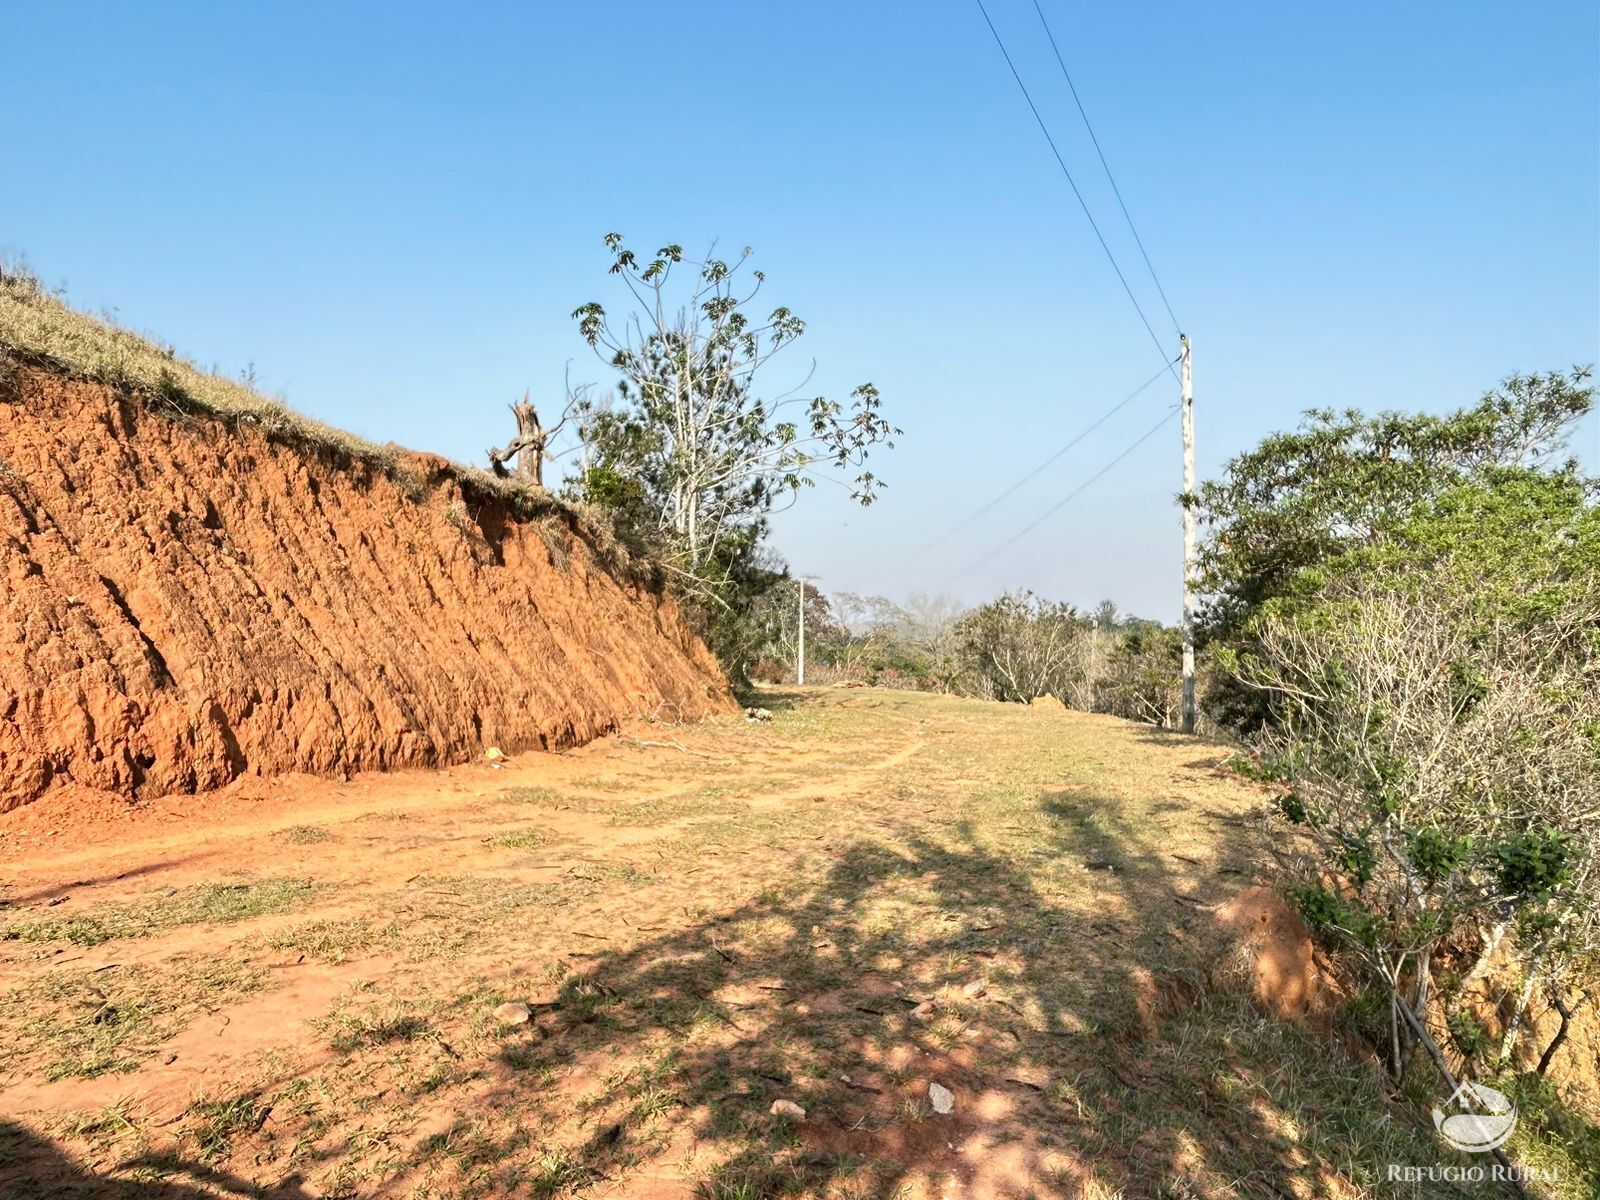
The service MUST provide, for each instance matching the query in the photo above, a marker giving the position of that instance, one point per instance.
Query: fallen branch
(1425, 1039)
(671, 745)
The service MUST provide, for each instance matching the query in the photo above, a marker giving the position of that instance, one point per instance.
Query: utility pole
(800, 654)
(1186, 383)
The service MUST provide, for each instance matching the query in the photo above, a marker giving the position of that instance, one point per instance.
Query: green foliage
(1534, 864)
(1468, 1034)
(695, 456)
(1435, 854)
(1409, 610)
(1347, 491)
(1356, 857)
(1319, 907)
(1294, 808)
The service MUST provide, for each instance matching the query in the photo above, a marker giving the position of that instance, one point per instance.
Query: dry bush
(1447, 773)
(1019, 646)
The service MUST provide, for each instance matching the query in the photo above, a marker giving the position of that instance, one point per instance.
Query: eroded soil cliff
(186, 601)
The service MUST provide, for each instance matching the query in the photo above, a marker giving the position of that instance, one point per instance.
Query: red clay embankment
(185, 602)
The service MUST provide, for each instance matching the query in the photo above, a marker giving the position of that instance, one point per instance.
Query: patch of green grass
(661, 810)
(103, 1128)
(542, 796)
(522, 839)
(556, 1173)
(88, 1023)
(218, 1122)
(303, 835)
(349, 1031)
(1555, 1136)
(324, 939)
(602, 783)
(210, 903)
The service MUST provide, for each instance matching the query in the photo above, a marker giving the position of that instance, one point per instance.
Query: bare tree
(1019, 647)
(530, 446)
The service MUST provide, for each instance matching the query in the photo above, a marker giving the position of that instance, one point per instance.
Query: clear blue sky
(391, 210)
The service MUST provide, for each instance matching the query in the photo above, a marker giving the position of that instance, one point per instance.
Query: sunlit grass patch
(374, 1026)
(303, 835)
(90, 1023)
(521, 839)
(325, 939)
(210, 903)
(542, 796)
(602, 783)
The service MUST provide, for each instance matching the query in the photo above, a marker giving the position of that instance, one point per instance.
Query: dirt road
(302, 987)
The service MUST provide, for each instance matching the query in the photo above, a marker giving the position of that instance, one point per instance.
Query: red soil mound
(1271, 956)
(186, 602)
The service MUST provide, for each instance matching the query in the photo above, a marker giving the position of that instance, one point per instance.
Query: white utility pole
(1186, 383)
(800, 654)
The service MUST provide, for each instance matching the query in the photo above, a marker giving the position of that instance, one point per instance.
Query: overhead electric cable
(1062, 163)
(1065, 500)
(1099, 421)
(1112, 179)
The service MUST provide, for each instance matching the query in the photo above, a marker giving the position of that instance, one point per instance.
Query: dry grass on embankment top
(38, 328)
(874, 892)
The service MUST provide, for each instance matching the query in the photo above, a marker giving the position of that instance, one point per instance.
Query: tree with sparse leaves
(1422, 656)
(702, 449)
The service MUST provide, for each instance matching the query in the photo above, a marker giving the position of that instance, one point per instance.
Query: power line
(1099, 421)
(1139, 241)
(1065, 500)
(1062, 163)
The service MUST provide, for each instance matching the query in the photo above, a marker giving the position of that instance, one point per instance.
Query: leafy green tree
(1347, 482)
(1436, 702)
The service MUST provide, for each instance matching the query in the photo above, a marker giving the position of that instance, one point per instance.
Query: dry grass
(213, 903)
(864, 854)
(35, 324)
(39, 328)
(88, 1023)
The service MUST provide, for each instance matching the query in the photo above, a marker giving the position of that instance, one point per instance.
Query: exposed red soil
(186, 603)
(1271, 955)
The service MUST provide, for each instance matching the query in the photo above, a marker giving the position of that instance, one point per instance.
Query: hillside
(201, 585)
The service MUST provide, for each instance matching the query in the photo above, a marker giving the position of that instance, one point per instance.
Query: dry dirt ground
(290, 988)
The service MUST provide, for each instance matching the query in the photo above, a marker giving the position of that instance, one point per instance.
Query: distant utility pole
(800, 654)
(1186, 383)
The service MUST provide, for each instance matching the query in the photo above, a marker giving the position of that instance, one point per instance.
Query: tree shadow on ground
(35, 1168)
(1047, 957)
(1059, 990)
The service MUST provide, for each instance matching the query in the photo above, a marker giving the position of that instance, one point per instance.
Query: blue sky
(391, 210)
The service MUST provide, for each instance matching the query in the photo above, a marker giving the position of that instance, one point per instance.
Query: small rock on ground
(513, 1013)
